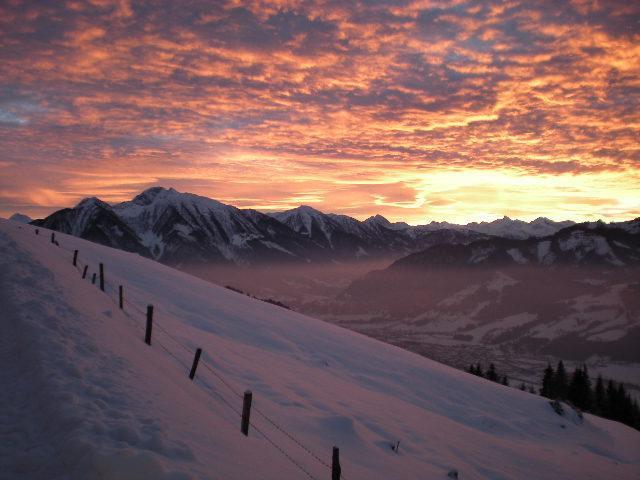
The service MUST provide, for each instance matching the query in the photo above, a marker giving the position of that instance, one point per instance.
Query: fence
(118, 298)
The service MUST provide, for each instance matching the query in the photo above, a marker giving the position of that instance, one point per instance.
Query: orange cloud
(420, 110)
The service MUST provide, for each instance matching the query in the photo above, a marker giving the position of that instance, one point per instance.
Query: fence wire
(110, 289)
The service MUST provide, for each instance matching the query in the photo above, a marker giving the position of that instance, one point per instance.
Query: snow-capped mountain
(175, 227)
(582, 244)
(573, 294)
(95, 220)
(506, 227)
(84, 397)
(345, 236)
(20, 218)
(182, 227)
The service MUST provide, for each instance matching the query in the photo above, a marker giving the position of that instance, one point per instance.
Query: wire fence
(114, 295)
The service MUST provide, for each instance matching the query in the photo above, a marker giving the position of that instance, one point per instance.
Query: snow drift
(83, 397)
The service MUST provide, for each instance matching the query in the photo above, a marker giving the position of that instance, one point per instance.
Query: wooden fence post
(93, 279)
(53, 237)
(336, 471)
(84, 272)
(75, 257)
(147, 333)
(246, 412)
(196, 359)
(121, 297)
(37, 231)
(102, 277)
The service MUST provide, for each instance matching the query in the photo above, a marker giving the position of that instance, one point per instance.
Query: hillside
(86, 398)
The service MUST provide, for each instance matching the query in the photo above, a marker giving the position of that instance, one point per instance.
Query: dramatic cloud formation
(419, 110)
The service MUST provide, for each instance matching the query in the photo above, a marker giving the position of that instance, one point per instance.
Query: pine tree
(505, 380)
(611, 403)
(623, 404)
(600, 398)
(575, 388)
(523, 387)
(479, 370)
(491, 373)
(586, 394)
(548, 383)
(579, 393)
(560, 382)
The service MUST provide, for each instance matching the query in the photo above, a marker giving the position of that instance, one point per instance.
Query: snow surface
(83, 397)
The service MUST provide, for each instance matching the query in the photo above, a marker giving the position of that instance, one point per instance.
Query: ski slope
(82, 396)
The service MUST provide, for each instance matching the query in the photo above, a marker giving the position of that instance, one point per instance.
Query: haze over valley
(519, 294)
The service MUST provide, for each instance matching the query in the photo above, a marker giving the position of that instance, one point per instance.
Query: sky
(416, 110)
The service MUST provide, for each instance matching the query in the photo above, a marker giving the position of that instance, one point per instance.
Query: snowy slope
(84, 397)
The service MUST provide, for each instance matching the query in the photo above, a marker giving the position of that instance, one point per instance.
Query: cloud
(351, 106)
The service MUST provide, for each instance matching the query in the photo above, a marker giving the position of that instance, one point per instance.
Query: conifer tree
(611, 400)
(491, 373)
(600, 398)
(560, 382)
(505, 380)
(548, 383)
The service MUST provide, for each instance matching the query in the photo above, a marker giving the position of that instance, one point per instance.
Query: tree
(548, 383)
(600, 398)
(560, 382)
(523, 387)
(491, 373)
(579, 392)
(611, 411)
(479, 370)
(505, 380)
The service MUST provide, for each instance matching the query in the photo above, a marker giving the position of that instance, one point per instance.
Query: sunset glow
(418, 110)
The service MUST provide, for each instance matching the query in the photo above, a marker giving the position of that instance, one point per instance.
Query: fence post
(336, 471)
(37, 231)
(246, 412)
(53, 237)
(147, 333)
(84, 272)
(121, 296)
(75, 257)
(93, 279)
(196, 359)
(102, 277)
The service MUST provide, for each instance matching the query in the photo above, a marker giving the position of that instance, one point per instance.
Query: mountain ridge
(177, 228)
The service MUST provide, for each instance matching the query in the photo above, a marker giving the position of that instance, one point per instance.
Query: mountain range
(573, 294)
(181, 228)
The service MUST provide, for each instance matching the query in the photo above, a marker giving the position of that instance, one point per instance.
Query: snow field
(109, 406)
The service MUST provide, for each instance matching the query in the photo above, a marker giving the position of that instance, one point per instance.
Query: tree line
(610, 400)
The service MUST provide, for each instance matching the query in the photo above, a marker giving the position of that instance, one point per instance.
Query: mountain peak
(149, 195)
(378, 219)
(306, 209)
(92, 201)
(19, 217)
